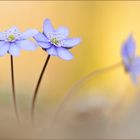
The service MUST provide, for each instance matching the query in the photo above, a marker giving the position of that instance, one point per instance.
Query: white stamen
(55, 38)
(11, 35)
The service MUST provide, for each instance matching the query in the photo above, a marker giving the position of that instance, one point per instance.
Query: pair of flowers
(55, 42)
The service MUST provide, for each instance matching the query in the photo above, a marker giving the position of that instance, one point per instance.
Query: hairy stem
(13, 87)
(37, 87)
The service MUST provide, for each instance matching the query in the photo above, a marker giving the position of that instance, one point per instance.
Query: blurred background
(107, 106)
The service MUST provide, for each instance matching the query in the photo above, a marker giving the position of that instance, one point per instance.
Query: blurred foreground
(90, 117)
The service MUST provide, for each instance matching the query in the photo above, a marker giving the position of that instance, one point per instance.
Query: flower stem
(74, 88)
(13, 87)
(37, 87)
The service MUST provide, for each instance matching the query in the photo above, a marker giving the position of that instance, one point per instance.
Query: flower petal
(47, 26)
(44, 44)
(64, 54)
(26, 44)
(29, 33)
(4, 48)
(2, 43)
(68, 43)
(64, 32)
(14, 49)
(134, 69)
(1, 36)
(135, 66)
(52, 51)
(40, 37)
(128, 49)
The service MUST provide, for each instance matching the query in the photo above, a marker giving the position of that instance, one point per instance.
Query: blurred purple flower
(55, 42)
(130, 60)
(12, 40)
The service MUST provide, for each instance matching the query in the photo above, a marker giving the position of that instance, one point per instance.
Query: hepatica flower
(12, 40)
(56, 41)
(130, 60)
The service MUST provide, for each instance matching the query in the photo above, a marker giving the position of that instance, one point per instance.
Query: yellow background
(102, 26)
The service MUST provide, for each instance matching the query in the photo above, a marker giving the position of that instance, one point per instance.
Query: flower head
(55, 42)
(130, 60)
(12, 40)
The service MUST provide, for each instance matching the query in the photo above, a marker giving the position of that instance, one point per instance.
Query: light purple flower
(130, 60)
(55, 42)
(12, 40)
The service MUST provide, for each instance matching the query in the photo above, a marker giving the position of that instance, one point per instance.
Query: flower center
(11, 37)
(54, 41)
